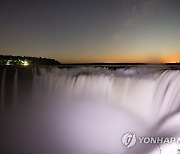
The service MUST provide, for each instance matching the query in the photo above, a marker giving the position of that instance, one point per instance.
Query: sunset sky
(78, 31)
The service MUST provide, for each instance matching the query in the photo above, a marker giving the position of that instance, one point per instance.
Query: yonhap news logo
(130, 139)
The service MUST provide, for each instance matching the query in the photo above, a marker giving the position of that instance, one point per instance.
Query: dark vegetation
(23, 60)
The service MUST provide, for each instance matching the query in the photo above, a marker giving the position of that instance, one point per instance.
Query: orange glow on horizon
(130, 59)
(171, 60)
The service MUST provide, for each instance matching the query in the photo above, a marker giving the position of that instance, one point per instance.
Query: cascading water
(3, 88)
(15, 87)
(145, 97)
(155, 91)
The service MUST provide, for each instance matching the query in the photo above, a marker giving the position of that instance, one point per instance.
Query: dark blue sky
(92, 30)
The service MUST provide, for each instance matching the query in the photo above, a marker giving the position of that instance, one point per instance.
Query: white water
(3, 88)
(15, 88)
(103, 104)
(151, 94)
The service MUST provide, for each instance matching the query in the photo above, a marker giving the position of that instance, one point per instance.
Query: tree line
(24, 60)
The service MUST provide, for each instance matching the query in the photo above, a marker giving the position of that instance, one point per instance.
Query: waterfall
(156, 91)
(15, 88)
(3, 88)
(107, 101)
